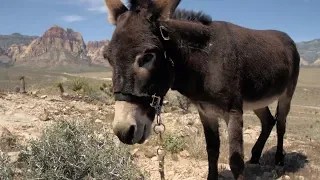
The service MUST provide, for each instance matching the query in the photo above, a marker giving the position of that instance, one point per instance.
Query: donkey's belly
(252, 105)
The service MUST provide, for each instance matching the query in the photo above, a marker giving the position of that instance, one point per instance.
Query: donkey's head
(140, 66)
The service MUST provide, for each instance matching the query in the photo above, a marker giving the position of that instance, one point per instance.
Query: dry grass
(196, 146)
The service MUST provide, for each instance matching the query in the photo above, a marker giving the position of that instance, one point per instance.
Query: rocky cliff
(5, 61)
(309, 51)
(57, 47)
(16, 38)
(11, 46)
(95, 52)
(317, 62)
(15, 50)
(303, 62)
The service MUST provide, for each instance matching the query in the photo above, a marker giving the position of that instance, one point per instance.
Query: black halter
(132, 98)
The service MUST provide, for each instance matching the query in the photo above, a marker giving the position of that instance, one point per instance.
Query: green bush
(6, 171)
(79, 83)
(74, 150)
(173, 143)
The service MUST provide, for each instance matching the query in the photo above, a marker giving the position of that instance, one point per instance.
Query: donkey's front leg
(235, 125)
(211, 131)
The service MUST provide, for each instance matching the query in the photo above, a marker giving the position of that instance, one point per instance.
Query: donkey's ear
(138, 4)
(115, 9)
(164, 8)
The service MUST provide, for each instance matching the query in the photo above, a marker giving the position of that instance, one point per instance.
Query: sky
(298, 18)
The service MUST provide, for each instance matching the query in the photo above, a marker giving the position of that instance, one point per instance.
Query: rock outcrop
(16, 38)
(309, 50)
(303, 62)
(57, 47)
(5, 61)
(14, 50)
(317, 62)
(2, 51)
(95, 52)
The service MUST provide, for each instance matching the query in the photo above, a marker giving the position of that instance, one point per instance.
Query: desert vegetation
(75, 140)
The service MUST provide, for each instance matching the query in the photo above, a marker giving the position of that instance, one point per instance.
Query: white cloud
(101, 9)
(90, 5)
(73, 18)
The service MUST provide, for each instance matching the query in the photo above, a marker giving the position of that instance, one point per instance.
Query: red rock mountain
(95, 52)
(57, 47)
(14, 50)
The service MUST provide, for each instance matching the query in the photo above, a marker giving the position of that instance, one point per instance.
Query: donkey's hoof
(279, 159)
(280, 163)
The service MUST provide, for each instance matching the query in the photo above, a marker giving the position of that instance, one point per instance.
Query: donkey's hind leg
(283, 109)
(267, 123)
(281, 117)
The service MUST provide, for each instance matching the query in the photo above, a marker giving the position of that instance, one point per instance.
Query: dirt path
(92, 77)
(312, 107)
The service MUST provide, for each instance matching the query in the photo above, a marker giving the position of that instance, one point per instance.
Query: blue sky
(298, 18)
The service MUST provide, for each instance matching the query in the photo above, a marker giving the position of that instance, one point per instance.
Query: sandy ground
(22, 116)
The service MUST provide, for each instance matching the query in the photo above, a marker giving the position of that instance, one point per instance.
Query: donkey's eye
(146, 60)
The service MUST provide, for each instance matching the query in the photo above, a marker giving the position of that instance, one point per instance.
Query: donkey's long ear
(164, 8)
(115, 9)
(138, 4)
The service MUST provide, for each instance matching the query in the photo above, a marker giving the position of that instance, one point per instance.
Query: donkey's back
(267, 61)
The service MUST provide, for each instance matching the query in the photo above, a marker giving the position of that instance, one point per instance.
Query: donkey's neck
(187, 36)
(189, 43)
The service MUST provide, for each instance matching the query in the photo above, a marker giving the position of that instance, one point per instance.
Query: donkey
(223, 68)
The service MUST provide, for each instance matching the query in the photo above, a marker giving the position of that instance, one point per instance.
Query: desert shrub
(107, 89)
(77, 150)
(60, 86)
(6, 171)
(88, 90)
(184, 103)
(173, 143)
(16, 89)
(78, 83)
(8, 141)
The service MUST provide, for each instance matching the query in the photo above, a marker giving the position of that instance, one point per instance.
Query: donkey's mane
(190, 15)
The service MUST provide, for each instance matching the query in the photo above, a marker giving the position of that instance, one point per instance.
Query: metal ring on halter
(159, 125)
(159, 148)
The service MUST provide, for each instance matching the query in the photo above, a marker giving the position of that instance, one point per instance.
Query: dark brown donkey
(223, 68)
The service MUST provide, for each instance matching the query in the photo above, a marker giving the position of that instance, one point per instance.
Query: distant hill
(57, 47)
(310, 52)
(95, 51)
(16, 38)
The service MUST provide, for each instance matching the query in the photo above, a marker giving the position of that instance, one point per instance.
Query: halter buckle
(155, 101)
(162, 28)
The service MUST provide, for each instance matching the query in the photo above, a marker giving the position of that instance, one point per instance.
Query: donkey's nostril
(131, 130)
(130, 133)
